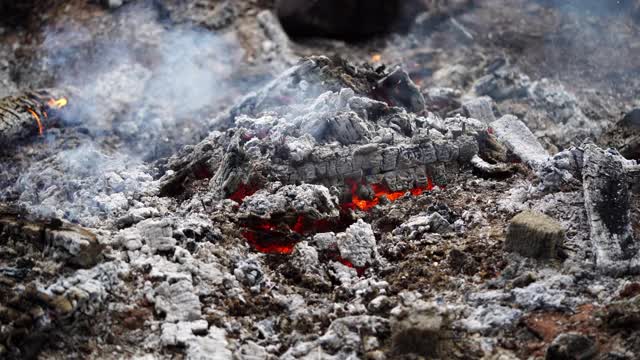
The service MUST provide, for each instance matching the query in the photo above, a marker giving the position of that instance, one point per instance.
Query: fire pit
(323, 179)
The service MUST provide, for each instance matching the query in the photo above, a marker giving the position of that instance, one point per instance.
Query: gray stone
(534, 235)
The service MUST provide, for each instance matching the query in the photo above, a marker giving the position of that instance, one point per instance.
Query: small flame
(40, 127)
(376, 58)
(58, 104)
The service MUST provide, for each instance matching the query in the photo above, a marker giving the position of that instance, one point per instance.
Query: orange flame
(40, 127)
(380, 191)
(376, 58)
(58, 104)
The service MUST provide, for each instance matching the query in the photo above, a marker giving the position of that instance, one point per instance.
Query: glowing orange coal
(379, 191)
(40, 127)
(58, 103)
(52, 104)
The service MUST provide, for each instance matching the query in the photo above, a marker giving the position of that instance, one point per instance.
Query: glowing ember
(40, 127)
(376, 58)
(242, 191)
(58, 104)
(380, 191)
(269, 242)
(280, 238)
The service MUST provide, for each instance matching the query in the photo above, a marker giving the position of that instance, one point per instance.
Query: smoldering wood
(23, 115)
(607, 201)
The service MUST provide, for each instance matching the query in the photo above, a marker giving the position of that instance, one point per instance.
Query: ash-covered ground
(465, 187)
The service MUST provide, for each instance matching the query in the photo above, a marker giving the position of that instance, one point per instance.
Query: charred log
(607, 201)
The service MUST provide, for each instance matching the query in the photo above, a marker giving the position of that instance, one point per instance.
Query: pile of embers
(326, 170)
(326, 138)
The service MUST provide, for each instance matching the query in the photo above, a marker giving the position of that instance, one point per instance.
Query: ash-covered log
(607, 200)
(330, 123)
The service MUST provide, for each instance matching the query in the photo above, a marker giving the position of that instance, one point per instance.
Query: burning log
(28, 114)
(607, 201)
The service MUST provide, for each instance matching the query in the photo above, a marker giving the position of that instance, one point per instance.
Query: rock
(571, 346)
(335, 18)
(608, 204)
(358, 244)
(517, 137)
(534, 235)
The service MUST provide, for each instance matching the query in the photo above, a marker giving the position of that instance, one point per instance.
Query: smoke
(139, 90)
(153, 85)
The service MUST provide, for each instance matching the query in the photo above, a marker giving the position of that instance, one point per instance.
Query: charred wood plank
(607, 202)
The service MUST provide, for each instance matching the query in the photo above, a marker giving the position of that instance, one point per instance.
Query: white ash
(415, 227)
(564, 110)
(89, 290)
(491, 318)
(83, 185)
(178, 301)
(358, 244)
(519, 139)
(200, 340)
(314, 201)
